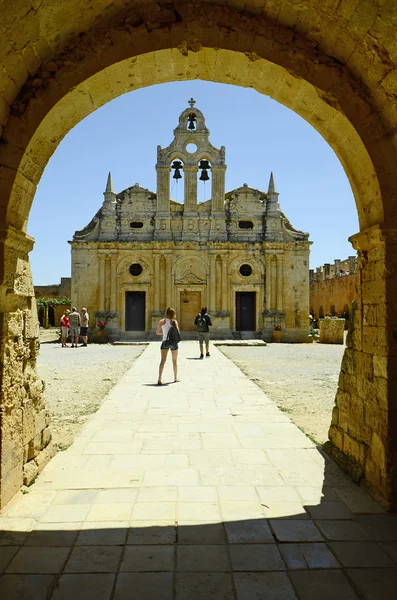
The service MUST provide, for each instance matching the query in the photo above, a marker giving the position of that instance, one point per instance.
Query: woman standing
(162, 329)
(65, 328)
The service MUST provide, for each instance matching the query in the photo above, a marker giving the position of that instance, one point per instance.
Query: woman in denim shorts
(162, 329)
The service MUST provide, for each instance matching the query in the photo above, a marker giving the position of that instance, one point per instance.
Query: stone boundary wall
(337, 291)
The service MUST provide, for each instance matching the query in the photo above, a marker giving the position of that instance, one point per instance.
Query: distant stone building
(333, 288)
(49, 315)
(236, 253)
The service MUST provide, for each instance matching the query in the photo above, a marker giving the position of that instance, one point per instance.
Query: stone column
(337, 267)
(327, 269)
(168, 280)
(101, 278)
(190, 173)
(163, 188)
(279, 276)
(273, 271)
(156, 283)
(225, 286)
(268, 283)
(218, 188)
(352, 264)
(113, 283)
(212, 283)
(363, 433)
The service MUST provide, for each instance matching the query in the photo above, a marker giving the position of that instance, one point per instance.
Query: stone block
(45, 456)
(40, 422)
(46, 437)
(336, 437)
(354, 448)
(332, 331)
(30, 472)
(28, 421)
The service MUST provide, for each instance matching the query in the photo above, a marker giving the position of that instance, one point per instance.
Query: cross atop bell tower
(191, 102)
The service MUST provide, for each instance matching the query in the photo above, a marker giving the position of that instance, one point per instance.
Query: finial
(191, 102)
(272, 186)
(109, 184)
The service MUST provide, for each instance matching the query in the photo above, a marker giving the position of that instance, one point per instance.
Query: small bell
(191, 120)
(204, 175)
(177, 165)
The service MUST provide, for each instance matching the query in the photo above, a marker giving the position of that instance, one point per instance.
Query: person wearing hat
(74, 320)
(84, 320)
(65, 328)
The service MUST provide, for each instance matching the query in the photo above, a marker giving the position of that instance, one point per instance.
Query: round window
(191, 148)
(246, 270)
(136, 269)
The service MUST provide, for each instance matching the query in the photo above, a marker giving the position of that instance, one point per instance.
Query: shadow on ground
(338, 545)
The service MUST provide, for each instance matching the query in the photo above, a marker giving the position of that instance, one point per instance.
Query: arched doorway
(334, 89)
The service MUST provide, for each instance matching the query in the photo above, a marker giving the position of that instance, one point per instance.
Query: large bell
(204, 166)
(177, 165)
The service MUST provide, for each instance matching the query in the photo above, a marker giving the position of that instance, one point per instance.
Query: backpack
(201, 323)
(173, 336)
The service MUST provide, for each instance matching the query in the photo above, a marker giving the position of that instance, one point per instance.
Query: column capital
(17, 240)
(371, 237)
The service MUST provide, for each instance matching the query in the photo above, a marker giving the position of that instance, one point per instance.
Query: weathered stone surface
(30, 472)
(332, 331)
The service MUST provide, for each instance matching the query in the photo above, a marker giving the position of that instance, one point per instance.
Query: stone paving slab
(201, 489)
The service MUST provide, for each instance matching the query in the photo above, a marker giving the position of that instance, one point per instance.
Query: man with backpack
(203, 323)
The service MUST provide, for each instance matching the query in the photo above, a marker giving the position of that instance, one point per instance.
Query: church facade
(236, 253)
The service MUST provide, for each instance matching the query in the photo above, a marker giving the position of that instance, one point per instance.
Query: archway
(124, 51)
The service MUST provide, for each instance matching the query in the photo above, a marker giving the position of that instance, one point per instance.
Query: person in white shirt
(162, 329)
(84, 319)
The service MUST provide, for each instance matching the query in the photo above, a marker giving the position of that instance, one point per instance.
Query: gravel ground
(77, 381)
(301, 378)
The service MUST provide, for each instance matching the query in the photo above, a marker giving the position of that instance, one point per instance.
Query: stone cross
(191, 102)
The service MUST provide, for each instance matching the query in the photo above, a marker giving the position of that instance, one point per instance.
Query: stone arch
(126, 261)
(237, 261)
(336, 70)
(183, 265)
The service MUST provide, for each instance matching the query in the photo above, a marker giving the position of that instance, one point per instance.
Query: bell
(177, 165)
(204, 165)
(191, 121)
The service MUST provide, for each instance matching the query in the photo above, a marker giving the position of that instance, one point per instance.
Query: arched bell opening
(177, 181)
(204, 180)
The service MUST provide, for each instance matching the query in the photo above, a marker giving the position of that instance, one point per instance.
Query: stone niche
(332, 331)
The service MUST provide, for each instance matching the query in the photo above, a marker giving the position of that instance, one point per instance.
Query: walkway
(198, 490)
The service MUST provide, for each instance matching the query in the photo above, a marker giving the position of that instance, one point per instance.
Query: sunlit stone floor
(201, 489)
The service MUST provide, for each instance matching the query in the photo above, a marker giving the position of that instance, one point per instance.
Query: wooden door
(190, 306)
(135, 311)
(245, 311)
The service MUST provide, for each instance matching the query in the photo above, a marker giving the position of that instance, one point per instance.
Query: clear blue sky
(260, 136)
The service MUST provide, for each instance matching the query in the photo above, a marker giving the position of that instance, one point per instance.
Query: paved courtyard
(201, 489)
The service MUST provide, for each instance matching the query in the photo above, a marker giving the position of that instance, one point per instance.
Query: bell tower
(191, 156)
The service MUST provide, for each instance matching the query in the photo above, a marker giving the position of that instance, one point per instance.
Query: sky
(260, 136)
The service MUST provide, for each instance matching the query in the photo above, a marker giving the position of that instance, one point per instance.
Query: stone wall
(24, 422)
(363, 435)
(337, 291)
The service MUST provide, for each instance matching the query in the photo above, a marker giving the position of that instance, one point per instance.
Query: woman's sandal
(159, 382)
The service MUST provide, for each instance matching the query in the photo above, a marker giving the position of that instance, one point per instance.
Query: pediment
(190, 279)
